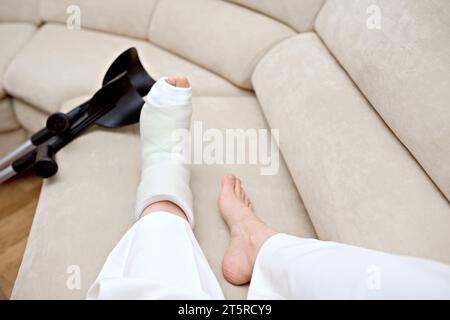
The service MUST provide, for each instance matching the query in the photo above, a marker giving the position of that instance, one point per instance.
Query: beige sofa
(362, 107)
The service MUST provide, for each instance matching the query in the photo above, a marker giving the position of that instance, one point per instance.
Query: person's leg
(159, 257)
(159, 99)
(286, 267)
(247, 232)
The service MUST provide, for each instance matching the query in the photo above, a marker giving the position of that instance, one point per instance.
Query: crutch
(118, 96)
(59, 122)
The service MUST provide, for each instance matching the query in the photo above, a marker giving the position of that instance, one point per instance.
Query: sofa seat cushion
(13, 37)
(88, 206)
(8, 120)
(358, 182)
(59, 64)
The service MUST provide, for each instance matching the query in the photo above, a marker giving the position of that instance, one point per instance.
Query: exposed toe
(237, 187)
(172, 81)
(247, 201)
(182, 82)
(228, 184)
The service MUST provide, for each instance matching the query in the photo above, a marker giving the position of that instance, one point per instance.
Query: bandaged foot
(164, 175)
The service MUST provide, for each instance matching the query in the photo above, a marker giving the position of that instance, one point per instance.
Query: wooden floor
(18, 201)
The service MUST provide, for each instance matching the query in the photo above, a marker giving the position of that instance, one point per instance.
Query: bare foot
(247, 232)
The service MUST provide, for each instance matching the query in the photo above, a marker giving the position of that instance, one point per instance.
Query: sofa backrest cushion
(358, 182)
(128, 18)
(218, 35)
(299, 14)
(398, 54)
(20, 11)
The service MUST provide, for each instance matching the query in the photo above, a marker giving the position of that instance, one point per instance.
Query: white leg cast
(164, 176)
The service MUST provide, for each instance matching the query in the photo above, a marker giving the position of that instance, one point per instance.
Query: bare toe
(237, 187)
(228, 183)
(172, 81)
(182, 82)
(247, 201)
(243, 195)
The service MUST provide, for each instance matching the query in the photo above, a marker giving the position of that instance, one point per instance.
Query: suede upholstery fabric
(403, 70)
(217, 35)
(102, 170)
(128, 18)
(48, 72)
(13, 37)
(299, 14)
(10, 140)
(358, 182)
(8, 121)
(20, 11)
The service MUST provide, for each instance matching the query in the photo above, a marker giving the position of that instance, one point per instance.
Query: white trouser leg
(293, 268)
(158, 258)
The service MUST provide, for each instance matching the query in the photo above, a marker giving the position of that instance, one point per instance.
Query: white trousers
(159, 258)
